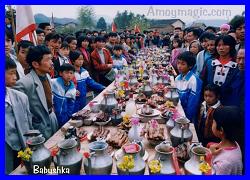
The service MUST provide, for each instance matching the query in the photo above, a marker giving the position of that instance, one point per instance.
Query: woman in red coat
(102, 61)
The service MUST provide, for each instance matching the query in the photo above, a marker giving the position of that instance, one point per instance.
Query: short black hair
(81, 39)
(237, 21)
(69, 39)
(132, 37)
(39, 31)
(9, 63)
(227, 40)
(74, 55)
(112, 34)
(206, 35)
(231, 31)
(66, 67)
(64, 45)
(9, 35)
(187, 29)
(118, 47)
(24, 44)
(214, 88)
(99, 39)
(36, 53)
(92, 40)
(106, 36)
(177, 28)
(51, 36)
(178, 40)
(212, 28)
(227, 119)
(79, 33)
(196, 32)
(188, 57)
(88, 32)
(43, 25)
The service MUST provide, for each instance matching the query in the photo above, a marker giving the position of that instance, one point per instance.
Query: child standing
(227, 157)
(188, 85)
(118, 60)
(177, 50)
(205, 120)
(83, 81)
(18, 119)
(63, 55)
(64, 94)
(82, 45)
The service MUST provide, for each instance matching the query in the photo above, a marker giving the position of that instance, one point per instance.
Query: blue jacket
(84, 80)
(189, 89)
(64, 101)
(229, 95)
(201, 60)
(118, 62)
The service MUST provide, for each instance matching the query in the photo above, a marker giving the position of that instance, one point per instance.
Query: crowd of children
(47, 83)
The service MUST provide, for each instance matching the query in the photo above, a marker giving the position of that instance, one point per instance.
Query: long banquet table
(59, 135)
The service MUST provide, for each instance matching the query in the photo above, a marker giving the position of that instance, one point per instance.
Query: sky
(186, 13)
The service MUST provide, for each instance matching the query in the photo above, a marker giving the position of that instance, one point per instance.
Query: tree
(101, 24)
(126, 20)
(86, 16)
(66, 30)
(141, 21)
(123, 19)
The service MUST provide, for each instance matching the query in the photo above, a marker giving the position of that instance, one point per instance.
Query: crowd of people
(46, 83)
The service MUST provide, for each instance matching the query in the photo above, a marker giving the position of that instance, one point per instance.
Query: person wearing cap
(224, 28)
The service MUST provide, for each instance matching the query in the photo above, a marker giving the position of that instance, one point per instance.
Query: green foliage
(126, 20)
(101, 24)
(140, 21)
(86, 17)
(66, 30)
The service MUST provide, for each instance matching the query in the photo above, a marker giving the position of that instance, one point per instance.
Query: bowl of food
(146, 109)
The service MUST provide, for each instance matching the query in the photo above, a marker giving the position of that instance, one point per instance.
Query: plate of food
(157, 99)
(81, 115)
(98, 133)
(167, 114)
(118, 139)
(102, 119)
(153, 132)
(147, 111)
(120, 153)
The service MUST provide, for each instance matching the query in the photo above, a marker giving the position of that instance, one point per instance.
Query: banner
(25, 24)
